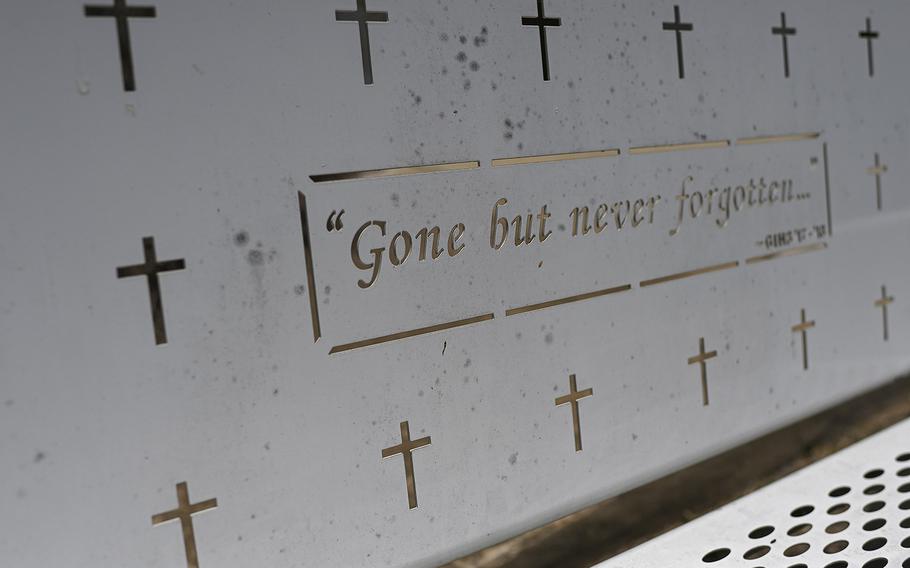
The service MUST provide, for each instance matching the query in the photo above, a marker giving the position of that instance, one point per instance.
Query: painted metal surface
(250, 149)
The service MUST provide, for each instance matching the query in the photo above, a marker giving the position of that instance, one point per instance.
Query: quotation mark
(334, 222)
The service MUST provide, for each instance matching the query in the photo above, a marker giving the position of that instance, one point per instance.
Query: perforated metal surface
(851, 510)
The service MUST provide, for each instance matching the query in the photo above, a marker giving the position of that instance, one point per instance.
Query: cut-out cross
(121, 14)
(803, 327)
(572, 399)
(405, 448)
(150, 269)
(541, 22)
(877, 170)
(702, 359)
(678, 26)
(363, 18)
(185, 511)
(883, 303)
(869, 35)
(783, 31)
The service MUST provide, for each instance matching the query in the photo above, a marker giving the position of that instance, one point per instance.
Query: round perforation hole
(873, 473)
(906, 563)
(874, 506)
(839, 491)
(874, 489)
(796, 549)
(837, 527)
(874, 524)
(874, 544)
(905, 524)
(837, 564)
(905, 505)
(906, 542)
(876, 563)
(839, 508)
(757, 552)
(905, 488)
(904, 457)
(716, 555)
(802, 511)
(904, 472)
(761, 532)
(836, 546)
(799, 529)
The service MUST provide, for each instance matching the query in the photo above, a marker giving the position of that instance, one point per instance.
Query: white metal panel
(237, 105)
(850, 509)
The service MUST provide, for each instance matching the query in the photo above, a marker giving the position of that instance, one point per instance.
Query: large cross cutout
(678, 26)
(185, 511)
(121, 14)
(783, 31)
(541, 22)
(702, 359)
(869, 35)
(877, 170)
(363, 18)
(572, 399)
(150, 269)
(405, 448)
(803, 327)
(883, 303)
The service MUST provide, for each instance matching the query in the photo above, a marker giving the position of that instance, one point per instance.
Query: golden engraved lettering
(710, 199)
(582, 214)
(395, 259)
(401, 246)
(739, 195)
(542, 232)
(600, 218)
(637, 209)
(499, 226)
(376, 264)
(528, 236)
(681, 198)
(652, 204)
(693, 210)
(745, 195)
(723, 204)
(633, 212)
(620, 215)
(718, 204)
(497, 223)
(455, 234)
(423, 235)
